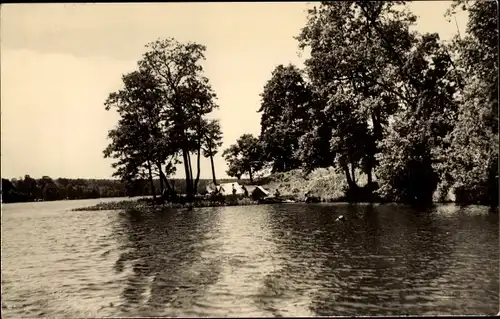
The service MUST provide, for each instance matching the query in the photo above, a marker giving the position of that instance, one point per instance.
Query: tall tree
(372, 70)
(408, 169)
(140, 141)
(351, 73)
(212, 141)
(471, 161)
(285, 102)
(187, 94)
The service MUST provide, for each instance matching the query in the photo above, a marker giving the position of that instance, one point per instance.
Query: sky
(59, 62)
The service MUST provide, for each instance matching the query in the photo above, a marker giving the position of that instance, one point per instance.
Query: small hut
(259, 193)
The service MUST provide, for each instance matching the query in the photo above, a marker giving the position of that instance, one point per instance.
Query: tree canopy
(376, 97)
(286, 101)
(244, 157)
(163, 109)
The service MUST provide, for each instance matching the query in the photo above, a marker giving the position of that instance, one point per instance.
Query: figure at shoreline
(277, 193)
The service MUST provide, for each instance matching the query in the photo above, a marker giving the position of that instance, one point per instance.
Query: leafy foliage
(188, 97)
(408, 109)
(244, 157)
(211, 142)
(29, 189)
(351, 69)
(471, 167)
(286, 100)
(162, 115)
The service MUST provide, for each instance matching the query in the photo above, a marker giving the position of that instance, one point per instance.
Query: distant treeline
(28, 189)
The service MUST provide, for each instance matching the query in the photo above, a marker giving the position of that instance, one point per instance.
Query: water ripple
(281, 260)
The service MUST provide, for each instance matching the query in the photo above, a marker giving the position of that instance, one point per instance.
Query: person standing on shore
(276, 193)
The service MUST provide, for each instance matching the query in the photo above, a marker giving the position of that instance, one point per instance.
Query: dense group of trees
(163, 110)
(413, 112)
(28, 189)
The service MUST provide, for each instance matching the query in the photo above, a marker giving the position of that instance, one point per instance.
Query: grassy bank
(326, 183)
(330, 185)
(148, 204)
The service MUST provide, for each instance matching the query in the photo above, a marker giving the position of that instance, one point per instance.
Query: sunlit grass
(142, 204)
(327, 183)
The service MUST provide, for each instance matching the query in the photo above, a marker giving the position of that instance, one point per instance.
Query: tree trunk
(198, 170)
(250, 174)
(213, 168)
(353, 172)
(370, 171)
(190, 170)
(161, 180)
(348, 176)
(186, 169)
(167, 183)
(191, 179)
(377, 127)
(151, 181)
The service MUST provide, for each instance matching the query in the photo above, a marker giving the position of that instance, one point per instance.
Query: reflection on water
(171, 260)
(268, 260)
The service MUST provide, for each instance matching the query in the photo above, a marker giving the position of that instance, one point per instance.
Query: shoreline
(148, 204)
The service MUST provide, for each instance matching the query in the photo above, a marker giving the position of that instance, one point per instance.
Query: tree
(187, 95)
(138, 141)
(10, 194)
(28, 186)
(212, 140)
(314, 149)
(351, 73)
(49, 190)
(405, 170)
(285, 102)
(235, 168)
(370, 70)
(244, 156)
(470, 163)
(409, 153)
(349, 136)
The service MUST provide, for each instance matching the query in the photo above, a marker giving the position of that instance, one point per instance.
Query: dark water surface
(268, 260)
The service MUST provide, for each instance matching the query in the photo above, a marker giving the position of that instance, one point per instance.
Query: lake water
(267, 260)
